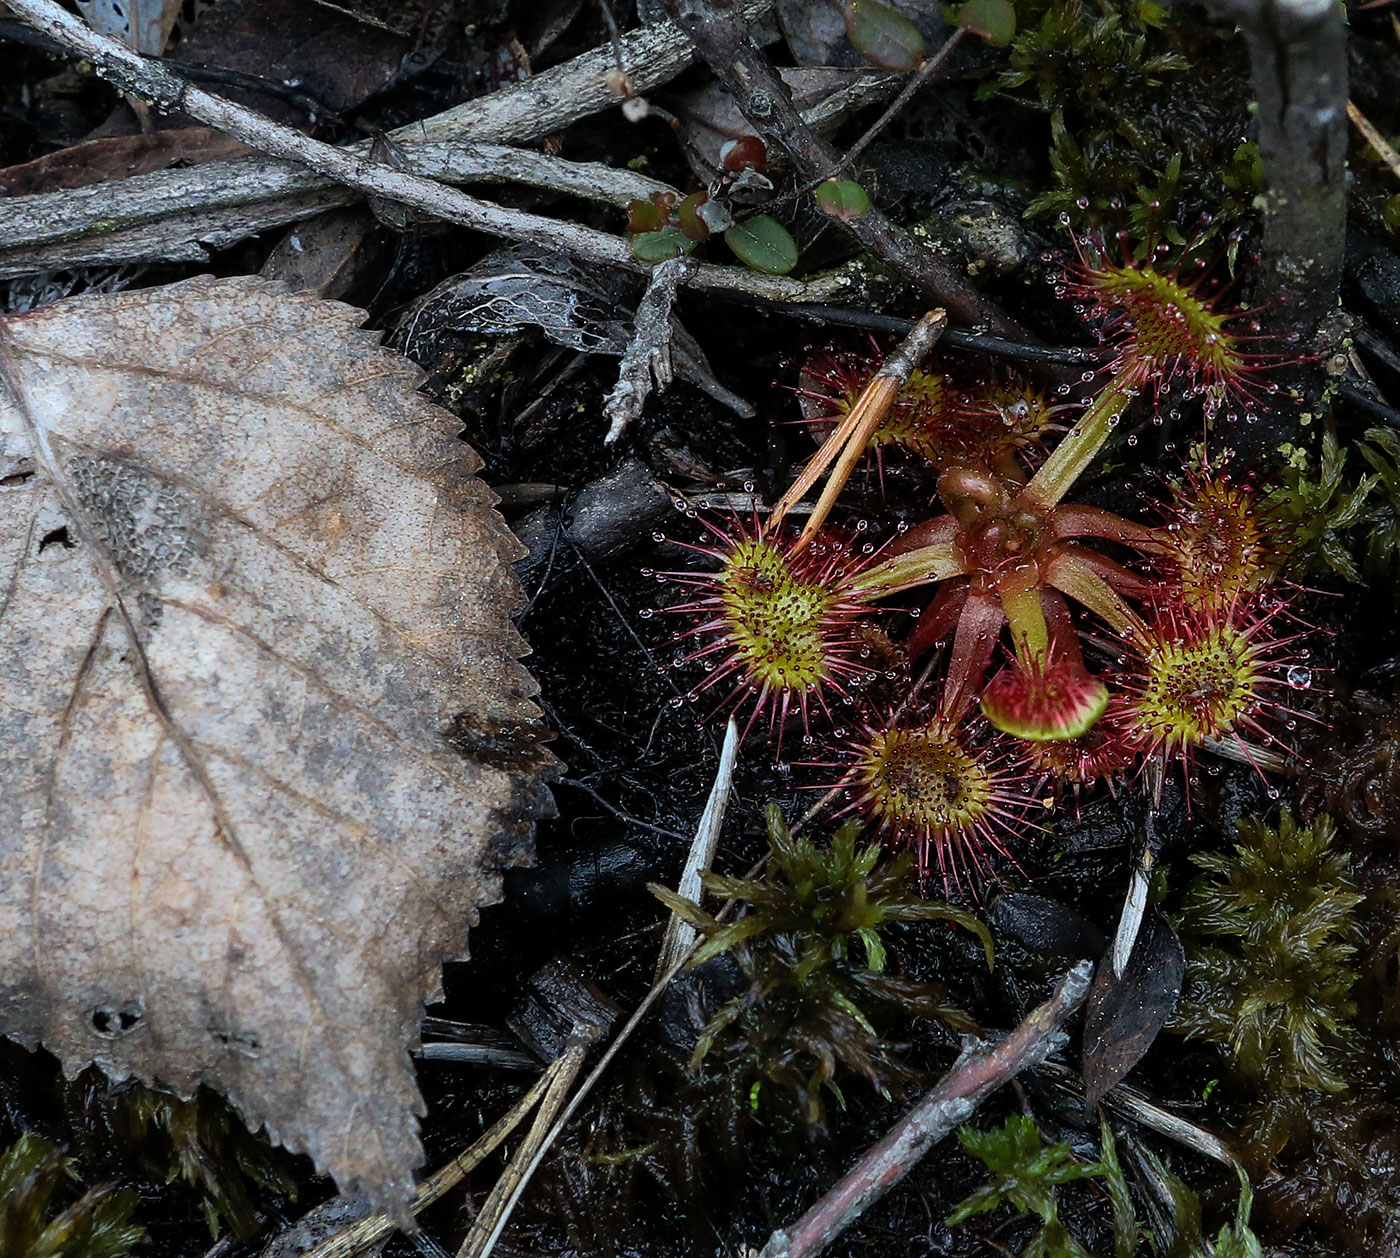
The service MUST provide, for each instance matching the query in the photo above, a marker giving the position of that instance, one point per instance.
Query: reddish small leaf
(687, 214)
(843, 198)
(748, 152)
(644, 216)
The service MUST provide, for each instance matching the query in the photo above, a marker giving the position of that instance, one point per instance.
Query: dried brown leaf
(249, 589)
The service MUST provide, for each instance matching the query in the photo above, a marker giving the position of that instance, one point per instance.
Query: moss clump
(816, 984)
(1270, 934)
(1336, 524)
(1025, 1174)
(1132, 142)
(35, 1177)
(205, 1145)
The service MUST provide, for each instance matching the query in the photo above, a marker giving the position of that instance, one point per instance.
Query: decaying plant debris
(501, 188)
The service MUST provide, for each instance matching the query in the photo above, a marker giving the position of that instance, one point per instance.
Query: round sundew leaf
(843, 198)
(764, 244)
(658, 246)
(994, 20)
(883, 35)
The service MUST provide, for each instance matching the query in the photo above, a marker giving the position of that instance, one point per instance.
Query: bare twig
(495, 1211)
(176, 213)
(953, 1100)
(1135, 901)
(722, 37)
(1383, 148)
(916, 81)
(156, 83)
(955, 338)
(1128, 1102)
(680, 935)
(365, 1233)
(648, 354)
(694, 368)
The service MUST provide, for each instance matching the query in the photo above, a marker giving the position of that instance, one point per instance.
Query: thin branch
(723, 39)
(680, 935)
(496, 1209)
(647, 359)
(368, 1232)
(219, 203)
(156, 84)
(958, 338)
(955, 1098)
(916, 81)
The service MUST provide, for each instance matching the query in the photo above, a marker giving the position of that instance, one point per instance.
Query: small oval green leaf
(843, 198)
(764, 244)
(882, 35)
(994, 20)
(657, 246)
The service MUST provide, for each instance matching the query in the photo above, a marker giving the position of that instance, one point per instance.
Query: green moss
(203, 1144)
(35, 1179)
(1270, 934)
(810, 946)
(1026, 1175)
(1337, 523)
(1130, 146)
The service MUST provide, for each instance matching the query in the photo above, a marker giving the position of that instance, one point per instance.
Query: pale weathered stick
(647, 359)
(952, 1101)
(361, 1235)
(495, 1210)
(153, 82)
(680, 935)
(180, 214)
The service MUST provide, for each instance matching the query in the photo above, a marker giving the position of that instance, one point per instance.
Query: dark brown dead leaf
(250, 588)
(118, 157)
(324, 256)
(1125, 1013)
